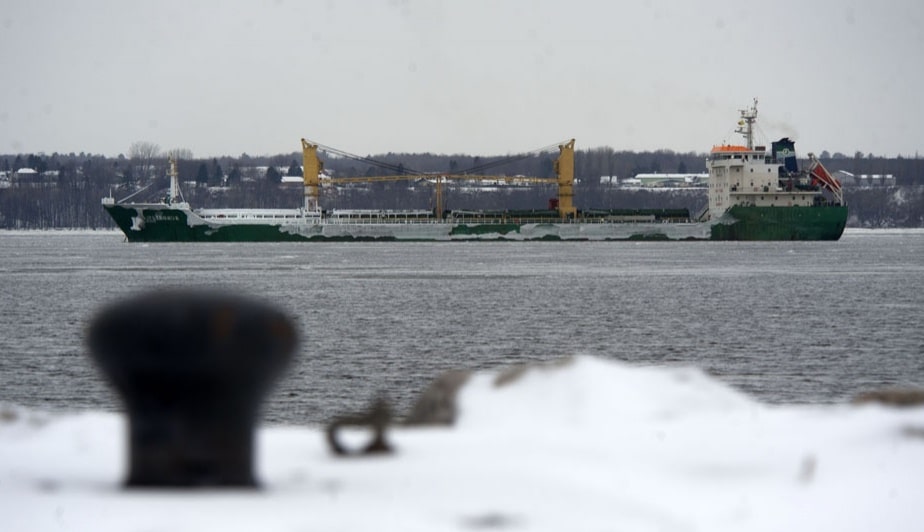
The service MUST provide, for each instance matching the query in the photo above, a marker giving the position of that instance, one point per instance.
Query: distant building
(295, 180)
(292, 180)
(876, 180)
(846, 178)
(26, 177)
(26, 173)
(669, 180)
(864, 180)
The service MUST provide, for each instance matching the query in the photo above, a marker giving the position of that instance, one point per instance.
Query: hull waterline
(163, 223)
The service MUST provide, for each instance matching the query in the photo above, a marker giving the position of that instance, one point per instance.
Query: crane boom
(564, 170)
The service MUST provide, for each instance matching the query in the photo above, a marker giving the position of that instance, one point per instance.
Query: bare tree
(142, 154)
(181, 153)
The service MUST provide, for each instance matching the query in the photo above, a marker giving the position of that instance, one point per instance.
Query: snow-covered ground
(591, 445)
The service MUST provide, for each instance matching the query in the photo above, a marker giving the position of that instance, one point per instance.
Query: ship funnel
(784, 151)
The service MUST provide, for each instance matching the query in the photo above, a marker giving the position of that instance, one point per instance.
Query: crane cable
(506, 160)
(398, 169)
(401, 169)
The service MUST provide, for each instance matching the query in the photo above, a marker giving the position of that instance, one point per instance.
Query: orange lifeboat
(729, 148)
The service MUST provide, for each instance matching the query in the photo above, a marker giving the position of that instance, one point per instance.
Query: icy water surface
(787, 322)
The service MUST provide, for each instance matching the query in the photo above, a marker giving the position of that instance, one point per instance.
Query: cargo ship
(754, 194)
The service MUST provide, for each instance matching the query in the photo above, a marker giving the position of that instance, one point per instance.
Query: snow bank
(588, 445)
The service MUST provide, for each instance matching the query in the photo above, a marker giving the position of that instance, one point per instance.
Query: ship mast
(746, 124)
(174, 180)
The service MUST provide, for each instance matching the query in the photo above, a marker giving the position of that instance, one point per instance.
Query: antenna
(746, 124)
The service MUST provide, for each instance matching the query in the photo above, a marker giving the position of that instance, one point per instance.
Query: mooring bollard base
(191, 367)
(177, 450)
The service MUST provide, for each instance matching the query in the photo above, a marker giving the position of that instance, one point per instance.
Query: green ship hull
(166, 223)
(782, 223)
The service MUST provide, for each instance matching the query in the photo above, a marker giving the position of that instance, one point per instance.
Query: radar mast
(746, 124)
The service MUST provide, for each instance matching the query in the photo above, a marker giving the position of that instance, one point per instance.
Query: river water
(786, 322)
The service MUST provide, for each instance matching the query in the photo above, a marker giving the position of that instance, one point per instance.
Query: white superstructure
(751, 176)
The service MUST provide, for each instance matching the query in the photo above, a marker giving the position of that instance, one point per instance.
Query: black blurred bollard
(192, 368)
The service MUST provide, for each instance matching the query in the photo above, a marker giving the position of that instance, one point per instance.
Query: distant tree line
(65, 190)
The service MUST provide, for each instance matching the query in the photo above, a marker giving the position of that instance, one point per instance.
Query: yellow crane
(564, 170)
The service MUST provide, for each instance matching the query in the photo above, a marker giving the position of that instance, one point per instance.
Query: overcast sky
(458, 76)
